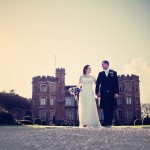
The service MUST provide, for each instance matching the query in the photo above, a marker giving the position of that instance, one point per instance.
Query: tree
(12, 100)
(145, 110)
(12, 91)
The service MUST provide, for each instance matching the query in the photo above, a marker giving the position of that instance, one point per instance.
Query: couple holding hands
(106, 88)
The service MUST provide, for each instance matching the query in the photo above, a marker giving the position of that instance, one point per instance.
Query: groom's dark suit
(107, 86)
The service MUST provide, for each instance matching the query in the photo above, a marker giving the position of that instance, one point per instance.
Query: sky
(37, 36)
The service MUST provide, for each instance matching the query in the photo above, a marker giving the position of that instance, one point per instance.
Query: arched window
(43, 87)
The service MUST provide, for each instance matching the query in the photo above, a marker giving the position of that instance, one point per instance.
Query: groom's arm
(116, 85)
(98, 82)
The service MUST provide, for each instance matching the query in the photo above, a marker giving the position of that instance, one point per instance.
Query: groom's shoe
(104, 124)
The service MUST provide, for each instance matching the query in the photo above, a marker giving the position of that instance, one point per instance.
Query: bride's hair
(85, 68)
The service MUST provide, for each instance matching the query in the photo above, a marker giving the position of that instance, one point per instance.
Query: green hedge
(138, 122)
(25, 122)
(146, 121)
(6, 118)
(28, 118)
(37, 121)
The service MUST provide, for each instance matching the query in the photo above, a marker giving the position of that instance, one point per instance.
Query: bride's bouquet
(74, 91)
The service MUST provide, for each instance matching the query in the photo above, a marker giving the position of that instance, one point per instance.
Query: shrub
(26, 122)
(44, 122)
(115, 122)
(58, 122)
(64, 124)
(17, 122)
(146, 121)
(6, 118)
(137, 122)
(29, 118)
(37, 121)
(70, 124)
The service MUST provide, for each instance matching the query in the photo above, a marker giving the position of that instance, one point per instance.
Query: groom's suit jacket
(107, 86)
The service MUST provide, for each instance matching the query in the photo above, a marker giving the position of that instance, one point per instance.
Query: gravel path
(73, 138)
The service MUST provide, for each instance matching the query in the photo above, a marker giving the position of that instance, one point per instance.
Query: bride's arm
(80, 83)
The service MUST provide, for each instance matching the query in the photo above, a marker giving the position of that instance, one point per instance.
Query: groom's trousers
(108, 110)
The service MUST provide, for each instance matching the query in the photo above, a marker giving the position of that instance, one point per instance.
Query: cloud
(139, 67)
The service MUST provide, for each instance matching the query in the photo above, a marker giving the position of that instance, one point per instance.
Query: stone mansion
(51, 100)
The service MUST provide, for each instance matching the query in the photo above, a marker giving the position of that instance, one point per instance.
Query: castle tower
(60, 95)
(44, 97)
(128, 103)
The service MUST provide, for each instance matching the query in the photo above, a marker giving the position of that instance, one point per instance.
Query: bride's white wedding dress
(87, 109)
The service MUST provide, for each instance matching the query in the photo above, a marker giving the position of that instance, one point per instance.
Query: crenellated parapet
(60, 71)
(128, 77)
(44, 78)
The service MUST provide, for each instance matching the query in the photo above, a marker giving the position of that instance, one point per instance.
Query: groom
(107, 89)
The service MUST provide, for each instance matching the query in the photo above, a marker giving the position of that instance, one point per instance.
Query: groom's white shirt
(106, 72)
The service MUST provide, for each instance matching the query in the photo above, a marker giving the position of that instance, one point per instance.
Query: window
(52, 114)
(69, 101)
(119, 101)
(63, 79)
(42, 115)
(129, 114)
(120, 114)
(70, 115)
(136, 87)
(43, 101)
(120, 88)
(43, 88)
(51, 101)
(128, 87)
(52, 88)
(128, 100)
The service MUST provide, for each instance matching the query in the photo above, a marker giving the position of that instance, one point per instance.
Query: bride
(88, 115)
